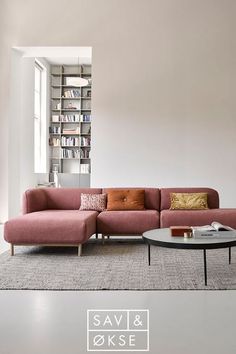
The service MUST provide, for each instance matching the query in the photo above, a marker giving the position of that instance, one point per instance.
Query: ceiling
(59, 55)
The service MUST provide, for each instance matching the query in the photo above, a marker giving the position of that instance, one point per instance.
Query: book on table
(215, 230)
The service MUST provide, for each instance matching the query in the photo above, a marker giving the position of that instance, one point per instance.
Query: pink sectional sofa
(51, 216)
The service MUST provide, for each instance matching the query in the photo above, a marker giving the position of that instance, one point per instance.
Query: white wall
(21, 129)
(14, 134)
(163, 85)
(46, 113)
(165, 112)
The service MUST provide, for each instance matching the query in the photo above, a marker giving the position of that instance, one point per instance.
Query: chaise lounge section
(52, 218)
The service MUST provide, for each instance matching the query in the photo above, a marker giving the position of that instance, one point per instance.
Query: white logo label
(117, 330)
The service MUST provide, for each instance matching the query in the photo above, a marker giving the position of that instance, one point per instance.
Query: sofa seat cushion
(197, 217)
(51, 227)
(127, 222)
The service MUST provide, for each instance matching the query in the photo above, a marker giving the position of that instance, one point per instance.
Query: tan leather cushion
(188, 201)
(125, 199)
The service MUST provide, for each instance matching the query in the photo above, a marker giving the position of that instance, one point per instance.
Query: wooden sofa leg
(103, 239)
(96, 235)
(80, 250)
(12, 249)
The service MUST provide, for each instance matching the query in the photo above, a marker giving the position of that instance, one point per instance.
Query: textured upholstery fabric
(125, 199)
(93, 201)
(127, 222)
(51, 226)
(152, 197)
(188, 201)
(197, 217)
(54, 198)
(34, 200)
(212, 196)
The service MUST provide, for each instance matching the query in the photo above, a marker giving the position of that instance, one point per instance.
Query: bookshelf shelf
(70, 134)
(72, 149)
(71, 110)
(71, 98)
(69, 86)
(76, 74)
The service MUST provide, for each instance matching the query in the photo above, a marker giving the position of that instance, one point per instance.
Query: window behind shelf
(39, 116)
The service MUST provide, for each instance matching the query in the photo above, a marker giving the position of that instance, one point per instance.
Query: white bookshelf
(70, 123)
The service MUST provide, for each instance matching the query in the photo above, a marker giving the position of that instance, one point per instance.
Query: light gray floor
(48, 322)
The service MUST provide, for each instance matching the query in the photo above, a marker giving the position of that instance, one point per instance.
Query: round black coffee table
(163, 238)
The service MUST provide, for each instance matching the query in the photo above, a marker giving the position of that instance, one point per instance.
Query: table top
(163, 238)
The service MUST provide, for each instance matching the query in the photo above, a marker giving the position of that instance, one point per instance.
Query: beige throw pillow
(93, 202)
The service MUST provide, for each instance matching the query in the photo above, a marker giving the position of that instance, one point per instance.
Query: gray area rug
(115, 266)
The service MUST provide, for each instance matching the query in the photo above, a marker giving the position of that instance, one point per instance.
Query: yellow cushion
(125, 199)
(188, 201)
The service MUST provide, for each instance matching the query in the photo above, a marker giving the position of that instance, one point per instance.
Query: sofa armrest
(34, 200)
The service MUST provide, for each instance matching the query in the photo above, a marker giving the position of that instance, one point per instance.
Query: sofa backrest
(212, 196)
(54, 198)
(152, 196)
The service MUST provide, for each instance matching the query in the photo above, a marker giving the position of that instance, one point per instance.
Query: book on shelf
(215, 230)
(55, 118)
(70, 153)
(71, 131)
(54, 130)
(85, 168)
(69, 141)
(84, 153)
(85, 118)
(54, 142)
(66, 118)
(70, 118)
(85, 141)
(72, 93)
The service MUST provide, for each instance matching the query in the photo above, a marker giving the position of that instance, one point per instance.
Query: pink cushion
(54, 198)
(51, 226)
(212, 196)
(127, 222)
(152, 196)
(197, 217)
